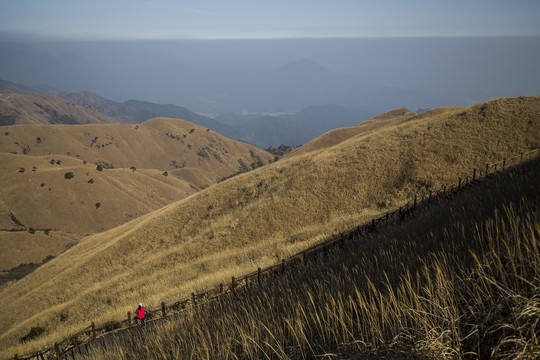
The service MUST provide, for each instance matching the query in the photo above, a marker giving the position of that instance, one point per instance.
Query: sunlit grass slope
(42, 211)
(46, 109)
(144, 167)
(459, 279)
(160, 143)
(259, 217)
(336, 136)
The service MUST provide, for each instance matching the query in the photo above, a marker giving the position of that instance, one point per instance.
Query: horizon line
(11, 37)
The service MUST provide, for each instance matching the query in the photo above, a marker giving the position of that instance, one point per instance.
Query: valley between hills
(157, 237)
(118, 173)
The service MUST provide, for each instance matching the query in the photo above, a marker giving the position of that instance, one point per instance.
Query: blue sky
(204, 19)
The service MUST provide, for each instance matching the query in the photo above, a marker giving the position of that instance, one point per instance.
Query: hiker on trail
(139, 318)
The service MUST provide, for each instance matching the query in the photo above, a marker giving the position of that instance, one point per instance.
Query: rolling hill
(143, 168)
(47, 105)
(257, 218)
(160, 143)
(336, 136)
(19, 106)
(136, 111)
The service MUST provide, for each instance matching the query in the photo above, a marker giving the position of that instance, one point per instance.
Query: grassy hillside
(18, 109)
(460, 279)
(257, 218)
(160, 143)
(336, 136)
(36, 195)
(144, 167)
(135, 111)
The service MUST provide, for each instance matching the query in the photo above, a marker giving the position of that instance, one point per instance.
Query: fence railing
(83, 337)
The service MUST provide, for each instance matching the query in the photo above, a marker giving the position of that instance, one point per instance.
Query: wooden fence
(66, 348)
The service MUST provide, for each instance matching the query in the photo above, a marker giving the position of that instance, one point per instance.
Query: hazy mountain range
(283, 76)
(48, 105)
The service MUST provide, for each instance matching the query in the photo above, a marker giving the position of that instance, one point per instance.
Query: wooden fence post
(459, 183)
(304, 257)
(129, 318)
(233, 285)
(93, 325)
(474, 174)
(504, 163)
(342, 242)
(57, 350)
(16, 357)
(259, 276)
(282, 266)
(522, 156)
(193, 299)
(221, 288)
(429, 196)
(373, 224)
(444, 190)
(163, 310)
(487, 169)
(414, 206)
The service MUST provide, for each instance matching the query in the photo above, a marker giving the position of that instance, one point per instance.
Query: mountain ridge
(257, 218)
(260, 130)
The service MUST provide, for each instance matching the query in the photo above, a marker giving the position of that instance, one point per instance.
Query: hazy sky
(203, 19)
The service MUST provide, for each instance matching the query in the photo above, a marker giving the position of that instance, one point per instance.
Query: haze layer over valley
(276, 76)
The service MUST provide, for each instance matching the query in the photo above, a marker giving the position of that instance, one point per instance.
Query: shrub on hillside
(69, 175)
(32, 334)
(99, 168)
(15, 220)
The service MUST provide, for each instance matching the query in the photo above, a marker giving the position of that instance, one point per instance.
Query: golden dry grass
(41, 198)
(257, 218)
(160, 143)
(336, 136)
(26, 109)
(458, 279)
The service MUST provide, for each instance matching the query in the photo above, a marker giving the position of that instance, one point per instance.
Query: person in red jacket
(139, 315)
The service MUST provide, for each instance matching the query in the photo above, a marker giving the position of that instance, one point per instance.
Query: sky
(253, 19)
